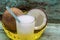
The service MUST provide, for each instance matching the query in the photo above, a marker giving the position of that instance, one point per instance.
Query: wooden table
(52, 32)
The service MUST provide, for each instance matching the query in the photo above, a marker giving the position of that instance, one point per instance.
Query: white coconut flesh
(40, 18)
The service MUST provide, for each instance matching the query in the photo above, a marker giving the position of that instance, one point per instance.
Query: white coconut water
(26, 27)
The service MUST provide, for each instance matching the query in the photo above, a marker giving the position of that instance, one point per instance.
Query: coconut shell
(9, 21)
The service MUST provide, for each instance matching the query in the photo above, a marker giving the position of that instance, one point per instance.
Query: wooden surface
(52, 32)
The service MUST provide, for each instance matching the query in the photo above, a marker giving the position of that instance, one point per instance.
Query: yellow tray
(14, 36)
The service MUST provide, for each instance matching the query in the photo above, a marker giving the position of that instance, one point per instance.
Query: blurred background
(51, 7)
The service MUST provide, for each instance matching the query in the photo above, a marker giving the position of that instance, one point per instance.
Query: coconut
(9, 21)
(40, 18)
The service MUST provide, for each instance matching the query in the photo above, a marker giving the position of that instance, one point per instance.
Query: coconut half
(9, 21)
(40, 18)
